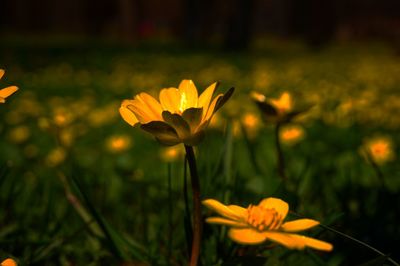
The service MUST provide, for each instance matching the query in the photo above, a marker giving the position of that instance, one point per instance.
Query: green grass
(118, 205)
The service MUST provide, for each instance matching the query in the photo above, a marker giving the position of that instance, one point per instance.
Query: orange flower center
(263, 219)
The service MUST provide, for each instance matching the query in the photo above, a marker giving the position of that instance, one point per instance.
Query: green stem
(169, 213)
(197, 222)
(376, 168)
(279, 152)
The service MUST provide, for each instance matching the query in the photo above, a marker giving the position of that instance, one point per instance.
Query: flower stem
(281, 159)
(376, 168)
(197, 222)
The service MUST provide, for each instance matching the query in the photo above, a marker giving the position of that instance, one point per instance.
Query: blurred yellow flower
(172, 154)
(19, 134)
(8, 262)
(291, 134)
(4, 93)
(56, 156)
(118, 143)
(265, 221)
(277, 110)
(251, 123)
(181, 115)
(379, 149)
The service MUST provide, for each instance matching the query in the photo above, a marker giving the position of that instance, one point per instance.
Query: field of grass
(79, 186)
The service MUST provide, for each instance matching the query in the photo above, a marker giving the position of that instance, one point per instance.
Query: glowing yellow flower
(181, 115)
(8, 262)
(291, 134)
(172, 154)
(277, 110)
(118, 143)
(262, 222)
(380, 149)
(4, 93)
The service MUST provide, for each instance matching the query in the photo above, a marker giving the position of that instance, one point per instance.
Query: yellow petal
(314, 243)
(246, 236)
(163, 132)
(224, 221)
(178, 123)
(279, 205)
(240, 210)
(153, 106)
(127, 114)
(1, 73)
(299, 225)
(222, 209)
(170, 99)
(142, 114)
(284, 239)
(211, 108)
(8, 262)
(205, 98)
(4, 93)
(193, 117)
(189, 96)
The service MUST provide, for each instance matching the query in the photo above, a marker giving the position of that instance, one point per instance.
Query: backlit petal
(279, 205)
(205, 97)
(152, 105)
(225, 221)
(211, 108)
(221, 209)
(142, 114)
(224, 99)
(128, 115)
(299, 225)
(4, 93)
(246, 236)
(170, 99)
(189, 96)
(1, 73)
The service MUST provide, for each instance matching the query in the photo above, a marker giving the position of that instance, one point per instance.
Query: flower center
(263, 219)
(183, 103)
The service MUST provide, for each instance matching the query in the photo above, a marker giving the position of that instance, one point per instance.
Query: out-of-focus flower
(181, 116)
(4, 93)
(251, 123)
(265, 221)
(379, 149)
(118, 143)
(19, 134)
(291, 134)
(56, 156)
(279, 110)
(172, 154)
(8, 262)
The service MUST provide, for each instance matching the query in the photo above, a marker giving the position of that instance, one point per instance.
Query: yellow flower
(380, 149)
(181, 115)
(172, 154)
(4, 93)
(56, 157)
(8, 262)
(265, 221)
(118, 143)
(277, 110)
(291, 134)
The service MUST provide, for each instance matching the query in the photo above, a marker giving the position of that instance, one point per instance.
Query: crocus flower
(8, 262)
(263, 222)
(4, 93)
(277, 110)
(179, 117)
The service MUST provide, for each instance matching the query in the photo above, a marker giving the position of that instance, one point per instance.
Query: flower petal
(246, 236)
(8, 262)
(163, 132)
(240, 210)
(205, 97)
(211, 108)
(4, 93)
(127, 114)
(189, 96)
(224, 221)
(279, 205)
(222, 209)
(314, 243)
(193, 117)
(299, 225)
(170, 99)
(152, 106)
(178, 123)
(1, 73)
(142, 114)
(224, 99)
(284, 239)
